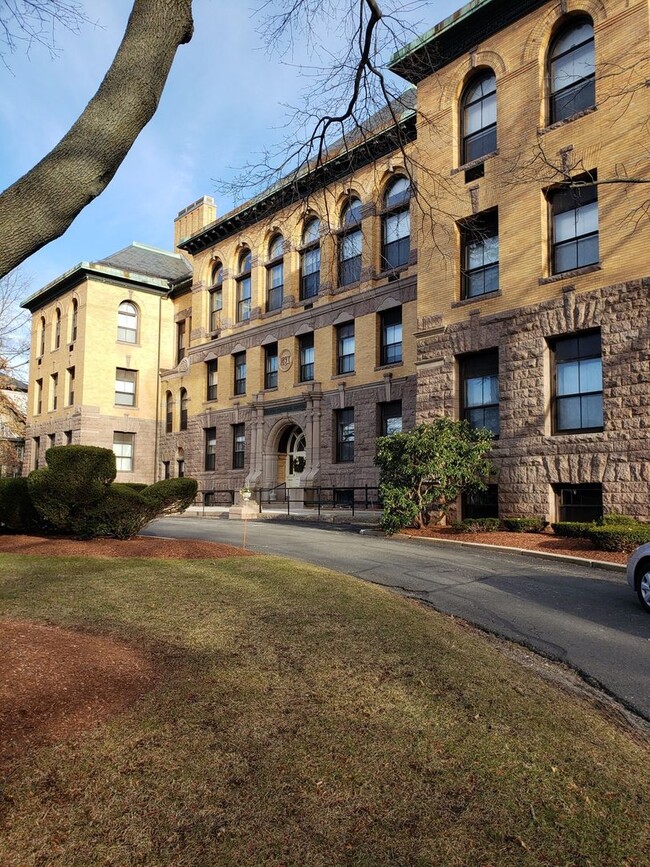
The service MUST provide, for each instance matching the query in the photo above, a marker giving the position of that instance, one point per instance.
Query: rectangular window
(390, 418)
(479, 382)
(306, 351)
(350, 257)
(579, 502)
(274, 286)
(479, 237)
(123, 446)
(54, 391)
(271, 366)
(167, 472)
(38, 397)
(180, 468)
(238, 446)
(578, 383)
(216, 306)
(71, 373)
(481, 504)
(211, 368)
(51, 441)
(390, 336)
(180, 340)
(67, 437)
(210, 448)
(125, 386)
(244, 299)
(36, 452)
(345, 348)
(239, 360)
(345, 436)
(574, 214)
(309, 272)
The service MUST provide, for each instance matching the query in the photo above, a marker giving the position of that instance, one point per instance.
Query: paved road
(588, 618)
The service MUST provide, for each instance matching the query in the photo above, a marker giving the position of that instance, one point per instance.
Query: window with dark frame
(479, 238)
(54, 391)
(271, 365)
(38, 408)
(345, 348)
(390, 336)
(180, 468)
(350, 243)
(275, 275)
(51, 440)
(184, 404)
(41, 347)
(239, 363)
(211, 369)
(480, 504)
(181, 328)
(582, 503)
(36, 452)
(390, 418)
(74, 320)
(396, 225)
(169, 412)
(57, 329)
(125, 382)
(123, 447)
(344, 435)
(572, 69)
(306, 353)
(578, 381)
(71, 378)
(479, 383)
(238, 446)
(574, 215)
(210, 434)
(216, 298)
(167, 472)
(479, 117)
(244, 287)
(310, 260)
(67, 437)
(127, 322)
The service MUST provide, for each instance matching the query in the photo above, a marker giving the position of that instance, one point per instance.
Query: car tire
(643, 584)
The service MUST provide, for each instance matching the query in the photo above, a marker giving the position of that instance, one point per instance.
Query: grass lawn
(304, 718)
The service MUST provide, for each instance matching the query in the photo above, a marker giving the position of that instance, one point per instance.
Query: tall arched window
(275, 274)
(396, 225)
(184, 401)
(572, 69)
(57, 328)
(244, 287)
(127, 322)
(41, 337)
(216, 297)
(310, 259)
(479, 120)
(74, 320)
(350, 243)
(169, 412)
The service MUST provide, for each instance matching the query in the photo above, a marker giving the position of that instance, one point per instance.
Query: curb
(522, 552)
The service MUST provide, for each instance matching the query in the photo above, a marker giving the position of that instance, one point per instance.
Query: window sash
(578, 384)
(125, 381)
(211, 373)
(123, 447)
(240, 374)
(271, 369)
(244, 299)
(580, 503)
(239, 446)
(391, 337)
(345, 436)
(210, 448)
(391, 418)
(345, 348)
(480, 391)
(307, 358)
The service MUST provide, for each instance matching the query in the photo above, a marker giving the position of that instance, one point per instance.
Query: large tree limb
(43, 203)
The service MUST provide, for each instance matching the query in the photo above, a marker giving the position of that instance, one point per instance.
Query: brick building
(491, 267)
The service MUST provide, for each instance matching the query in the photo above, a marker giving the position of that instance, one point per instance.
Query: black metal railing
(362, 498)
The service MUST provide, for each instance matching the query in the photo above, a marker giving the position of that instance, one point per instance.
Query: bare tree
(14, 321)
(23, 22)
(43, 203)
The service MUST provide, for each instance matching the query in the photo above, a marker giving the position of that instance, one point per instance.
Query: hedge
(525, 525)
(171, 495)
(572, 529)
(121, 513)
(478, 525)
(17, 512)
(623, 538)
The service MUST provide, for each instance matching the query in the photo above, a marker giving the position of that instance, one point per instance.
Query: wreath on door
(299, 464)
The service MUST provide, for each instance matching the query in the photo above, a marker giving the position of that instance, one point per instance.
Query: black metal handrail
(318, 498)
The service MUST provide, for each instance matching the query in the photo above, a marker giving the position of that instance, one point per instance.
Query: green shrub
(478, 525)
(623, 538)
(82, 462)
(572, 529)
(171, 495)
(525, 525)
(133, 486)
(618, 520)
(17, 513)
(121, 513)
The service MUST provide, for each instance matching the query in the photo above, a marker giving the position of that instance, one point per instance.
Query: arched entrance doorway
(292, 456)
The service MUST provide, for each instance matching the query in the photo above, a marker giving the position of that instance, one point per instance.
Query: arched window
(183, 425)
(73, 320)
(244, 287)
(216, 297)
(479, 121)
(396, 225)
(169, 412)
(41, 337)
(572, 69)
(275, 274)
(350, 243)
(127, 322)
(57, 329)
(310, 259)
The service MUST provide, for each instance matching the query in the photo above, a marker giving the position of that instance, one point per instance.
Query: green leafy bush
(618, 520)
(171, 495)
(121, 513)
(478, 525)
(525, 525)
(623, 538)
(17, 513)
(133, 486)
(572, 529)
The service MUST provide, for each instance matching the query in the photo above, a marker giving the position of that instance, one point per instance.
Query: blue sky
(223, 104)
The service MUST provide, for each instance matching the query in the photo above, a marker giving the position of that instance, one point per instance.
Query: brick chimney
(193, 218)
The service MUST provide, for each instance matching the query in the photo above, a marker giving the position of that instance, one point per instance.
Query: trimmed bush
(82, 462)
(525, 525)
(617, 520)
(171, 495)
(478, 525)
(121, 513)
(133, 486)
(572, 529)
(623, 538)
(17, 513)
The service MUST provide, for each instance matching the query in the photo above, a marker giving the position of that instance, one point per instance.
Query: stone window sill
(477, 162)
(487, 296)
(560, 123)
(569, 275)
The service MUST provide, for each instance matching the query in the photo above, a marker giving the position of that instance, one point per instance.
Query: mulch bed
(141, 546)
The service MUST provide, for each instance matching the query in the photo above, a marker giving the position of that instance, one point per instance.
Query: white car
(638, 574)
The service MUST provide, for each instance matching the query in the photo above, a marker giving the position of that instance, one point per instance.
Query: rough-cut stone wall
(529, 458)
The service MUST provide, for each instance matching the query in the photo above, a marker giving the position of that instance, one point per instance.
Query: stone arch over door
(285, 456)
